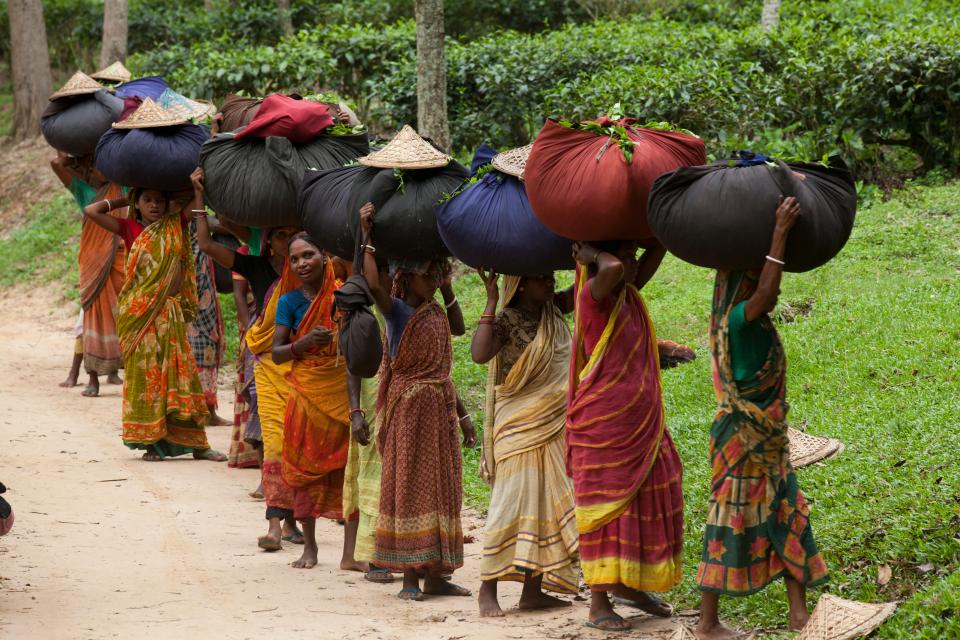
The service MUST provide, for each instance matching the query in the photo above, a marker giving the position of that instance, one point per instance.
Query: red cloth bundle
(581, 186)
(299, 121)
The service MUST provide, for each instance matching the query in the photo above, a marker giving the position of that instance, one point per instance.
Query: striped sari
(102, 258)
(316, 428)
(163, 404)
(272, 392)
(758, 526)
(530, 528)
(626, 472)
(421, 488)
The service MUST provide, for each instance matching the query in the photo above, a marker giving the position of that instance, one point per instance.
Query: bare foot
(715, 632)
(152, 456)
(70, 382)
(645, 602)
(92, 390)
(306, 561)
(209, 454)
(799, 620)
(269, 542)
(437, 586)
(541, 601)
(489, 606)
(602, 616)
(353, 565)
(217, 421)
(114, 378)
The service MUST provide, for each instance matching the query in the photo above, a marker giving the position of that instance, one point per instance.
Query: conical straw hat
(150, 115)
(512, 162)
(407, 150)
(805, 449)
(838, 619)
(116, 72)
(180, 105)
(78, 85)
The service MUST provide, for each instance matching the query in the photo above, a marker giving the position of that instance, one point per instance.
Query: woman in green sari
(758, 528)
(164, 408)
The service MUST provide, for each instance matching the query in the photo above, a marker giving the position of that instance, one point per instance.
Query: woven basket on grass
(805, 449)
(838, 619)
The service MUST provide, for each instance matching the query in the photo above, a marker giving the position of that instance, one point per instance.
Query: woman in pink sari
(626, 471)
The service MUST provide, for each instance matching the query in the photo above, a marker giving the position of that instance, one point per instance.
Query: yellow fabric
(530, 526)
(272, 393)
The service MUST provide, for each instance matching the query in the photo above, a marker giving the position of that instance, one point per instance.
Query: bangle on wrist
(463, 417)
(358, 410)
(452, 302)
(779, 262)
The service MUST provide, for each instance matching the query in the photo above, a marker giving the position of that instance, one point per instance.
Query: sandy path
(107, 546)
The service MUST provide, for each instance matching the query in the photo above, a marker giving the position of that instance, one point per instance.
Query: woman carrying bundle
(102, 257)
(316, 428)
(205, 333)
(164, 411)
(531, 534)
(269, 277)
(758, 526)
(421, 492)
(626, 471)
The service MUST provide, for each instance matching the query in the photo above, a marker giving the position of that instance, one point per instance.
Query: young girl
(421, 494)
(531, 534)
(316, 429)
(164, 410)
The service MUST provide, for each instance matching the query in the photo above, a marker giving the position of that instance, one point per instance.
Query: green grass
(44, 248)
(874, 363)
(6, 113)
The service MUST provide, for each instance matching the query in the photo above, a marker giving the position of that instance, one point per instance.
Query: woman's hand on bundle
(367, 213)
(490, 282)
(788, 211)
(585, 253)
(197, 179)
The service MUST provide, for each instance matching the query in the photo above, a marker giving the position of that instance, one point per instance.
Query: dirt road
(108, 546)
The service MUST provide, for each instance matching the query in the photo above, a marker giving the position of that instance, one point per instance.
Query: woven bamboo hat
(116, 72)
(78, 85)
(838, 619)
(512, 162)
(150, 115)
(805, 449)
(407, 150)
(180, 105)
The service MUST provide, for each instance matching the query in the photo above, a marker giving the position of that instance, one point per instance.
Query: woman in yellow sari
(531, 534)
(164, 410)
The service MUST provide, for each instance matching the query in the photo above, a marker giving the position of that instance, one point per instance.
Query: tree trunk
(30, 64)
(431, 73)
(114, 46)
(771, 15)
(286, 20)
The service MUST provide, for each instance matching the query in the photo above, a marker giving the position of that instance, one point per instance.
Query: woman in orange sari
(316, 427)
(102, 256)
(626, 471)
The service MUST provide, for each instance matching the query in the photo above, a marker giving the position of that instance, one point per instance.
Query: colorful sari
(530, 528)
(421, 490)
(758, 526)
(626, 472)
(102, 259)
(272, 391)
(205, 333)
(316, 429)
(163, 404)
(243, 454)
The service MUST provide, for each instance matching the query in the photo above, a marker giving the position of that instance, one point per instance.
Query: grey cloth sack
(722, 217)
(74, 124)
(256, 181)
